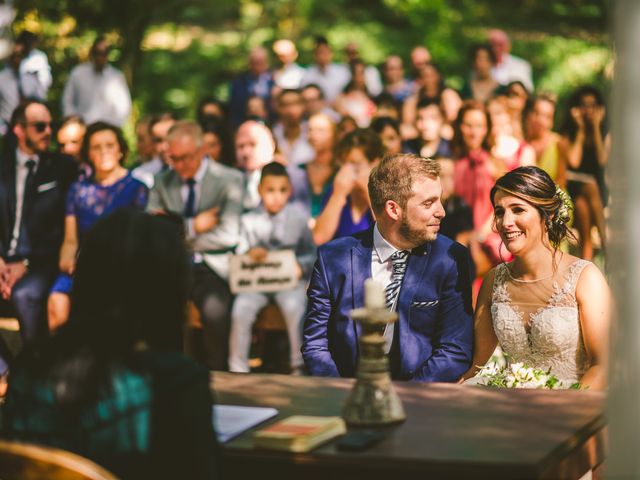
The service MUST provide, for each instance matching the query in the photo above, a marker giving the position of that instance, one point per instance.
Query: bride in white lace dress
(546, 308)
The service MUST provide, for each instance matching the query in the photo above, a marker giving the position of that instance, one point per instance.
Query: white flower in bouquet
(519, 375)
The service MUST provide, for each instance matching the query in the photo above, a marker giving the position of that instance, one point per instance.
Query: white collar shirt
(297, 152)
(381, 271)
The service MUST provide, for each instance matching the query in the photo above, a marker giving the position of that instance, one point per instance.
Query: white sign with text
(276, 273)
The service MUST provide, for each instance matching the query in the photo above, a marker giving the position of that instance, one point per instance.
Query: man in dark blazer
(431, 290)
(256, 82)
(33, 188)
(208, 197)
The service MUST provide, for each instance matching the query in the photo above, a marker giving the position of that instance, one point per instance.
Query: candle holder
(373, 400)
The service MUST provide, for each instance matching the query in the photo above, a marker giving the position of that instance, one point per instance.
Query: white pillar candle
(374, 294)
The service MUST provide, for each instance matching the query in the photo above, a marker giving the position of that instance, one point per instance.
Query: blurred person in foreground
(112, 385)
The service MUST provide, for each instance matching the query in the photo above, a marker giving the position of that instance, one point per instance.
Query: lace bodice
(538, 323)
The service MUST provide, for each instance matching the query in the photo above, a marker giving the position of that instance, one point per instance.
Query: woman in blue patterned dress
(109, 188)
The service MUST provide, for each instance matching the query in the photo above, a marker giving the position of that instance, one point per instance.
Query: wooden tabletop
(451, 431)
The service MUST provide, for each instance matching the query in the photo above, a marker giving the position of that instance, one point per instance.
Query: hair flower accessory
(564, 212)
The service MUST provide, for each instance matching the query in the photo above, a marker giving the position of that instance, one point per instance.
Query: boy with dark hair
(274, 225)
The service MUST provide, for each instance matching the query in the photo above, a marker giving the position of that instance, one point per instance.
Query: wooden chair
(24, 461)
(10, 340)
(271, 325)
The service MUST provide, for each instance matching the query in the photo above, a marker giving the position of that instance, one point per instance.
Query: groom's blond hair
(394, 176)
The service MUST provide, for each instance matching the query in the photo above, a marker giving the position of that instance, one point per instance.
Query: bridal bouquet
(517, 375)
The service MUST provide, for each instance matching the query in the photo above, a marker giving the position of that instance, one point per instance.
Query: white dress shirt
(513, 68)
(382, 271)
(21, 177)
(97, 95)
(147, 171)
(332, 80)
(251, 196)
(372, 80)
(9, 96)
(298, 152)
(35, 73)
(289, 76)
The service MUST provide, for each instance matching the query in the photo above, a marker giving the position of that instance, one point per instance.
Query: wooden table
(451, 431)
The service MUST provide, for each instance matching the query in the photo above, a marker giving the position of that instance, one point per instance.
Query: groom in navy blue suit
(430, 290)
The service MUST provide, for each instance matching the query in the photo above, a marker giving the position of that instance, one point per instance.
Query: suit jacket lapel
(10, 183)
(360, 271)
(174, 192)
(31, 188)
(209, 188)
(7, 197)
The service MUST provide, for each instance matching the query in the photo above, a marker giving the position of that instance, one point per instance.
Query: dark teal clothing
(154, 420)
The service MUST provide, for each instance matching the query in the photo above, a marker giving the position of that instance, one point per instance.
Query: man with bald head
(255, 148)
(290, 74)
(420, 56)
(256, 82)
(508, 68)
(208, 197)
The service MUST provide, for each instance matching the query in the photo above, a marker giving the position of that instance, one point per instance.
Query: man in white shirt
(508, 68)
(255, 147)
(16, 84)
(331, 77)
(10, 86)
(290, 74)
(96, 90)
(35, 71)
(291, 131)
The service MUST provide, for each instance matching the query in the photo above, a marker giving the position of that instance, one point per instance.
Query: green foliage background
(176, 51)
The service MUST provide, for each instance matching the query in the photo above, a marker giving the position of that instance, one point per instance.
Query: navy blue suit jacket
(45, 216)
(434, 306)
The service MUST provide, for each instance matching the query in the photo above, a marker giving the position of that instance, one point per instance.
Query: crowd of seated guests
(328, 125)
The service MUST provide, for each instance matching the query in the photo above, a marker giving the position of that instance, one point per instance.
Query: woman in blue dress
(110, 187)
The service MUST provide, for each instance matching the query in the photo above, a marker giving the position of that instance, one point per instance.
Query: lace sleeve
(564, 293)
(499, 293)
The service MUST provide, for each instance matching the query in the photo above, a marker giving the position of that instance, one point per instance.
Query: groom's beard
(415, 234)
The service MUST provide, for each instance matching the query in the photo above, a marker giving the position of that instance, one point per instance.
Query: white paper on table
(230, 421)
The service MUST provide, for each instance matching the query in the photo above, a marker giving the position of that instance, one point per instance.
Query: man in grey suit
(208, 196)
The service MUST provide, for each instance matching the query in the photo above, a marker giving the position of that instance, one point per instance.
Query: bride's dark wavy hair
(534, 186)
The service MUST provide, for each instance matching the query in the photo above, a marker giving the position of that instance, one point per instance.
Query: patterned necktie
(399, 266)
(190, 205)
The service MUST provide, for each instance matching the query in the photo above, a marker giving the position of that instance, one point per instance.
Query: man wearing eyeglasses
(33, 187)
(96, 90)
(207, 196)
